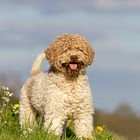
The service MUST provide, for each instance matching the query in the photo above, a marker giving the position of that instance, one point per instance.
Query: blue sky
(112, 27)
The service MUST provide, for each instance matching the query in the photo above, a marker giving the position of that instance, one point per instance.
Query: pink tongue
(73, 66)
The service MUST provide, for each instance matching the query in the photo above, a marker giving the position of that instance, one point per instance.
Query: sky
(112, 27)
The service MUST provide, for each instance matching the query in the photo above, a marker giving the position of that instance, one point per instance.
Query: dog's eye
(80, 50)
(83, 51)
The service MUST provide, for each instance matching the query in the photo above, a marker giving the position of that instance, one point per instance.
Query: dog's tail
(37, 63)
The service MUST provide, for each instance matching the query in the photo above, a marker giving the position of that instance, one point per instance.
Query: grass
(10, 129)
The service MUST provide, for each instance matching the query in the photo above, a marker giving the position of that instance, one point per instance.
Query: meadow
(10, 129)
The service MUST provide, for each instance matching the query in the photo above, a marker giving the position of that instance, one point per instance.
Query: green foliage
(103, 135)
(10, 129)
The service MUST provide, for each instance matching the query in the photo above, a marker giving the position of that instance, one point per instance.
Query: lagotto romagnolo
(63, 92)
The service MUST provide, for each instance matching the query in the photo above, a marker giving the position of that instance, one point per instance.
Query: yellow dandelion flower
(99, 129)
(16, 106)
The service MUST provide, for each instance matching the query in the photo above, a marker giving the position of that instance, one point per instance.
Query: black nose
(73, 57)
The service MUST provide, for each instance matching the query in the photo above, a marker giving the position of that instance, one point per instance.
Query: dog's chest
(74, 90)
(75, 96)
(57, 91)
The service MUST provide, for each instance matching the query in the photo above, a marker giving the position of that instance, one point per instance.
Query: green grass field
(10, 129)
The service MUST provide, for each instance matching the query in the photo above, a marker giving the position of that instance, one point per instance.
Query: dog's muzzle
(73, 64)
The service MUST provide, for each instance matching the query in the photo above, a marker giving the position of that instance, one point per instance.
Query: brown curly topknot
(68, 42)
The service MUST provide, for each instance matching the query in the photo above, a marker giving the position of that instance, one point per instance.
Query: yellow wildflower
(16, 106)
(99, 129)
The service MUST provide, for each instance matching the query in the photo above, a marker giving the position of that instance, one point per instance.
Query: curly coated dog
(63, 92)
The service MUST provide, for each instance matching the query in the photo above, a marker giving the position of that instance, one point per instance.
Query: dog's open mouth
(73, 66)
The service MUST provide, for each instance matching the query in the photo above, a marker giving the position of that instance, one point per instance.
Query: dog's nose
(73, 57)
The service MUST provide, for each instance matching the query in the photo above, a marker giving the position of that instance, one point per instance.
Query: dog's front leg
(83, 125)
(54, 122)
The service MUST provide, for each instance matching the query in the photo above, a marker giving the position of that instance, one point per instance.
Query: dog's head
(70, 54)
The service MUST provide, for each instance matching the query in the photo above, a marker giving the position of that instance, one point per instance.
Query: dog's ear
(52, 53)
(49, 54)
(90, 54)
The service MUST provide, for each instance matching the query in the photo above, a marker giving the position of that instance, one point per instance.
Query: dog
(63, 92)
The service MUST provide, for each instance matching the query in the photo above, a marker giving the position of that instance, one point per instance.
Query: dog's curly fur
(64, 91)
